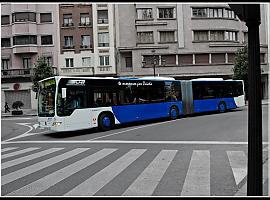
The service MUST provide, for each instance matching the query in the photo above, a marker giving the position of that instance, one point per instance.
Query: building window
(68, 41)
(145, 37)
(168, 59)
(5, 20)
(69, 62)
(185, 59)
(144, 13)
(84, 19)
(67, 20)
(202, 58)
(200, 35)
(216, 35)
(128, 61)
(231, 35)
(48, 60)
(5, 64)
(25, 39)
(262, 58)
(86, 61)
(231, 57)
(215, 12)
(45, 17)
(103, 39)
(199, 12)
(102, 16)
(229, 14)
(85, 41)
(5, 42)
(104, 60)
(46, 39)
(166, 13)
(24, 17)
(26, 63)
(245, 37)
(217, 58)
(167, 36)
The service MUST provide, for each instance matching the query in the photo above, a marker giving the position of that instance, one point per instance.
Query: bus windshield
(46, 98)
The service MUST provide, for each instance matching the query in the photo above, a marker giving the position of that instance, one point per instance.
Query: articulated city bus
(75, 103)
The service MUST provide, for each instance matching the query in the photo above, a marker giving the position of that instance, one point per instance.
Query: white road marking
(38, 166)
(238, 162)
(27, 158)
(147, 181)
(100, 179)
(18, 152)
(26, 134)
(44, 183)
(197, 181)
(132, 142)
(132, 129)
(22, 135)
(7, 149)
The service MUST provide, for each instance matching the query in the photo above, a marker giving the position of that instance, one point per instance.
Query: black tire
(105, 121)
(174, 113)
(222, 107)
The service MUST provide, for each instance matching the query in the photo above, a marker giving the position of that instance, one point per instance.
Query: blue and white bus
(75, 103)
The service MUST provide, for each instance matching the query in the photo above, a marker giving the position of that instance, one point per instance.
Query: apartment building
(184, 41)
(86, 39)
(27, 32)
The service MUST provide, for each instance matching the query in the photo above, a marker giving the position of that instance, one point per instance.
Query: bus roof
(114, 78)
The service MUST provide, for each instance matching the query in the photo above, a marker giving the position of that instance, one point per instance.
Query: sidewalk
(26, 112)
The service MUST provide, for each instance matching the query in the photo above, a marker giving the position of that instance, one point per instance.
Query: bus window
(127, 95)
(143, 94)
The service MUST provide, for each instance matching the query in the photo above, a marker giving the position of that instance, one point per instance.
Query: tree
(240, 68)
(41, 71)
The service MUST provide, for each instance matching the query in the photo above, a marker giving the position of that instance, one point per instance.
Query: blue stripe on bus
(212, 104)
(138, 112)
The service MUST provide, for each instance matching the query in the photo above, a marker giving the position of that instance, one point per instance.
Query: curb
(25, 115)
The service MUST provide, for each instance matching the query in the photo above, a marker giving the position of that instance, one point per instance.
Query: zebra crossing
(24, 171)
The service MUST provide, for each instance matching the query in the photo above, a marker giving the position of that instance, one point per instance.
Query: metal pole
(154, 68)
(254, 176)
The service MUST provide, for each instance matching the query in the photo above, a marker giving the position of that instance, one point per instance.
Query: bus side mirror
(64, 93)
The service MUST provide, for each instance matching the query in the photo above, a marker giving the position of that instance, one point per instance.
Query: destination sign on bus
(144, 83)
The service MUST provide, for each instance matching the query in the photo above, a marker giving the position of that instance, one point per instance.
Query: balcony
(77, 71)
(22, 73)
(30, 48)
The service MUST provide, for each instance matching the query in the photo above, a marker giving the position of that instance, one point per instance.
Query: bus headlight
(57, 123)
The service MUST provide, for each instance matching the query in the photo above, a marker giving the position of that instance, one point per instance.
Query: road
(203, 155)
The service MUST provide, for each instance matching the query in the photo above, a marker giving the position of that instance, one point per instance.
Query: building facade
(86, 40)
(27, 32)
(184, 41)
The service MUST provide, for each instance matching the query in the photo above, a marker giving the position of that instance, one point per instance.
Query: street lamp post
(154, 61)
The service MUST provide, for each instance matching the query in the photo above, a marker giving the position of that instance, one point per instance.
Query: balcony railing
(12, 73)
(68, 24)
(103, 21)
(85, 24)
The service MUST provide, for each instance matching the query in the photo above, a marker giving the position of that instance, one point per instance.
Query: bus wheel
(105, 122)
(222, 107)
(174, 113)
